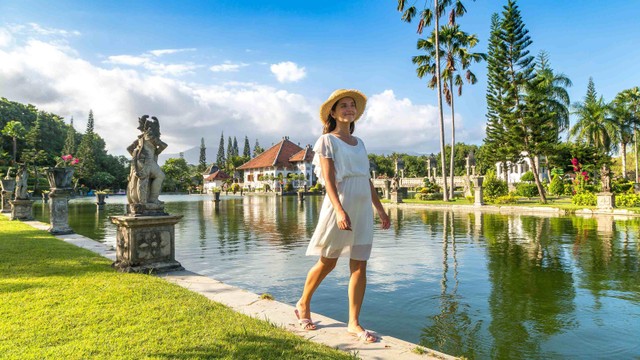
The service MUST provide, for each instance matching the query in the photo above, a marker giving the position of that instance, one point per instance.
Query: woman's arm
(329, 175)
(384, 218)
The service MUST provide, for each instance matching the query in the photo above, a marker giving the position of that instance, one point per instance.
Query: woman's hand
(384, 219)
(343, 221)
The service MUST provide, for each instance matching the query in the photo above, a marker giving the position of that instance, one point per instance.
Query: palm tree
(625, 123)
(427, 16)
(631, 98)
(456, 57)
(594, 126)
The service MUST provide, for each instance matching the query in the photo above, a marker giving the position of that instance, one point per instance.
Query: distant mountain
(192, 156)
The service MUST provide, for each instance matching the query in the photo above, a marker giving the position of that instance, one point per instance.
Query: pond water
(473, 284)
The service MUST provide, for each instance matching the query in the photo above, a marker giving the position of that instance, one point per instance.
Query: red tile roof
(303, 155)
(276, 156)
(218, 175)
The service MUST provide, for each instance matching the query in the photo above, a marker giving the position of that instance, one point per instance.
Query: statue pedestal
(606, 201)
(59, 212)
(477, 190)
(146, 243)
(21, 210)
(478, 196)
(6, 198)
(396, 197)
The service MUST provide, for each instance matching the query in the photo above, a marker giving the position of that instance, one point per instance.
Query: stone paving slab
(330, 332)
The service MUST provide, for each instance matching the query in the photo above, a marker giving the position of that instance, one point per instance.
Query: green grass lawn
(58, 301)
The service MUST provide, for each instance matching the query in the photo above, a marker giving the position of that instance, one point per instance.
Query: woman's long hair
(330, 124)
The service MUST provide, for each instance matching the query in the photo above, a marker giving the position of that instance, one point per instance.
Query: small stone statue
(605, 178)
(8, 176)
(145, 177)
(21, 183)
(395, 183)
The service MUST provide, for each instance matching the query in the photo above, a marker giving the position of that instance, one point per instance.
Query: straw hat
(357, 96)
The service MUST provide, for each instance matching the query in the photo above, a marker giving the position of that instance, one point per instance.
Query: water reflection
(473, 284)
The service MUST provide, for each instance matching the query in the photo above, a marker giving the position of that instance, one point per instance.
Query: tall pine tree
(229, 149)
(246, 150)
(70, 140)
(236, 151)
(202, 166)
(87, 153)
(257, 149)
(221, 159)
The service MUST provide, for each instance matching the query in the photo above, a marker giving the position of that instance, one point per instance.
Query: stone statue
(145, 177)
(605, 178)
(21, 183)
(472, 158)
(395, 183)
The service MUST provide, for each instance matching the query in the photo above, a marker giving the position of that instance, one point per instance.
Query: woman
(345, 226)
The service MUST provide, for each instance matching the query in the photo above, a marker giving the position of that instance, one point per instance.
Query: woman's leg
(315, 276)
(357, 285)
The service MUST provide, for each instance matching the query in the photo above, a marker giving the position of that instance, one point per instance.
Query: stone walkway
(330, 332)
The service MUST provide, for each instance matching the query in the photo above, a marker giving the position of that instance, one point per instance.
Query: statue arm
(132, 147)
(160, 146)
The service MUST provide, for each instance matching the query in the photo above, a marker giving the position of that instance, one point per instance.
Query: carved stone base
(59, 212)
(396, 197)
(146, 244)
(6, 205)
(606, 201)
(21, 209)
(148, 209)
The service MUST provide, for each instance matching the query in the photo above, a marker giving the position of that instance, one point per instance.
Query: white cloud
(155, 67)
(288, 71)
(127, 60)
(161, 52)
(392, 124)
(57, 80)
(227, 66)
(38, 29)
(5, 37)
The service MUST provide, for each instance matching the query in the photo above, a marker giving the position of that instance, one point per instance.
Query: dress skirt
(328, 240)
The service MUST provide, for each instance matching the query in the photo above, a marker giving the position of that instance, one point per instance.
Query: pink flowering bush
(67, 160)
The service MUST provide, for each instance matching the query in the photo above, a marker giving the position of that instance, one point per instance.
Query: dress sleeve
(322, 148)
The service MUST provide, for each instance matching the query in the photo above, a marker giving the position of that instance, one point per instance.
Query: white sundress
(352, 182)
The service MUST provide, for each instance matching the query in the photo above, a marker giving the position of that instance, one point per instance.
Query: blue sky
(262, 68)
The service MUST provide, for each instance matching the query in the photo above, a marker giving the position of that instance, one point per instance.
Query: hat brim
(357, 96)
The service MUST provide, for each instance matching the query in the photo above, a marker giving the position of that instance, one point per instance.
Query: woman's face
(345, 110)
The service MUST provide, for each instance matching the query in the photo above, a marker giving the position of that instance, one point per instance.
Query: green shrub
(622, 186)
(288, 187)
(420, 196)
(506, 199)
(628, 200)
(316, 189)
(494, 187)
(471, 199)
(528, 176)
(568, 189)
(527, 190)
(234, 188)
(585, 199)
(556, 187)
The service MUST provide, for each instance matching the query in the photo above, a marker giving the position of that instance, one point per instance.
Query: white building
(516, 170)
(283, 158)
(214, 178)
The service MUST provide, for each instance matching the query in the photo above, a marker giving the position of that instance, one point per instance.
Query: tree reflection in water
(452, 329)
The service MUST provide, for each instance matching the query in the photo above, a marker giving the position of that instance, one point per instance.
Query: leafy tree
(257, 149)
(202, 166)
(177, 175)
(15, 130)
(221, 159)
(246, 150)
